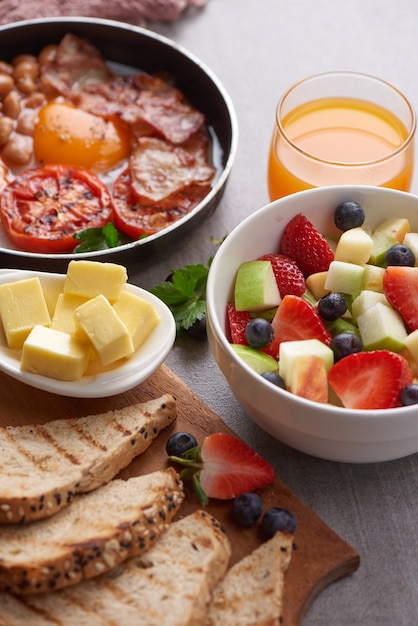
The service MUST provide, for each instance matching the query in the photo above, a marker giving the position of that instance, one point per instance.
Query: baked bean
(6, 128)
(25, 69)
(26, 84)
(23, 57)
(18, 150)
(26, 123)
(35, 100)
(11, 105)
(6, 84)
(6, 68)
(47, 54)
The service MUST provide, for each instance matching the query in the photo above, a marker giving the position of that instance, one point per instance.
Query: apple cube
(354, 246)
(382, 328)
(309, 378)
(411, 343)
(411, 241)
(315, 283)
(290, 351)
(259, 361)
(366, 300)
(382, 242)
(345, 277)
(256, 287)
(373, 278)
(395, 227)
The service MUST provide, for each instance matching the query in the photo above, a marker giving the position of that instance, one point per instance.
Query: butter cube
(92, 278)
(22, 306)
(138, 315)
(63, 317)
(54, 354)
(107, 333)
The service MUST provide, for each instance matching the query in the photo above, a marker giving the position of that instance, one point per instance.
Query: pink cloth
(131, 11)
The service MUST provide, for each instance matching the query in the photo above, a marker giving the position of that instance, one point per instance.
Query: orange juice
(333, 141)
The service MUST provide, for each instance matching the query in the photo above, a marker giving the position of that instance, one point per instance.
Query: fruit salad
(333, 321)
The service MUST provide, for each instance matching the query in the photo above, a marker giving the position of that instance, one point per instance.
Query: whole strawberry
(224, 467)
(289, 277)
(303, 243)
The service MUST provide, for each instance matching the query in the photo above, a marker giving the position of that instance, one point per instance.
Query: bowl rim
(219, 332)
(229, 107)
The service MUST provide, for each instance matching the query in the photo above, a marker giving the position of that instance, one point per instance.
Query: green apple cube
(354, 246)
(290, 351)
(260, 362)
(366, 300)
(373, 277)
(345, 277)
(411, 241)
(382, 242)
(256, 287)
(382, 328)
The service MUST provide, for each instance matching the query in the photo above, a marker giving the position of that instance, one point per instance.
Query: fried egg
(68, 135)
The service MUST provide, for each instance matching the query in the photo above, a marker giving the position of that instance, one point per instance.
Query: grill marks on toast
(43, 466)
(170, 584)
(96, 533)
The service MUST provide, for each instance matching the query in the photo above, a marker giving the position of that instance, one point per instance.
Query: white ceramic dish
(126, 375)
(324, 431)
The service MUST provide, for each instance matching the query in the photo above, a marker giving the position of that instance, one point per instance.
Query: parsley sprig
(185, 294)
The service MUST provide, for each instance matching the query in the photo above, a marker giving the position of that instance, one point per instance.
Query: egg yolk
(71, 136)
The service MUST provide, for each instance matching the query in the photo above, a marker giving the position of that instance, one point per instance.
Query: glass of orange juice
(341, 128)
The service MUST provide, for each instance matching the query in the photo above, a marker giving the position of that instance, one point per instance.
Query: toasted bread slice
(97, 532)
(169, 585)
(251, 593)
(42, 467)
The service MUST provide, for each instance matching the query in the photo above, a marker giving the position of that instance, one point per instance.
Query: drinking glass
(341, 128)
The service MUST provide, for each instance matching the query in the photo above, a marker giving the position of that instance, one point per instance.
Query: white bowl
(124, 375)
(325, 431)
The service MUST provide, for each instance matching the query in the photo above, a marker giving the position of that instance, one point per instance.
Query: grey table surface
(258, 48)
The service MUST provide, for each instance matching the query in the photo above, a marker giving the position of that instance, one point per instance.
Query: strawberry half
(237, 321)
(297, 319)
(303, 243)
(400, 286)
(370, 380)
(289, 277)
(223, 467)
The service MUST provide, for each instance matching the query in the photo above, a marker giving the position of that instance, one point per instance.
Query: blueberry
(275, 378)
(348, 215)
(247, 509)
(332, 306)
(179, 443)
(198, 330)
(344, 344)
(259, 333)
(400, 255)
(409, 395)
(275, 519)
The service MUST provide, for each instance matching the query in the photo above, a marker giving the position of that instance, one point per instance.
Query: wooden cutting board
(320, 557)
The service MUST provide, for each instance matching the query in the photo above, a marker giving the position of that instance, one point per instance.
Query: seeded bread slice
(251, 593)
(42, 467)
(169, 585)
(97, 532)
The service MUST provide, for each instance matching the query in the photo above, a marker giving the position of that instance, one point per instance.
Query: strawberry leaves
(223, 467)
